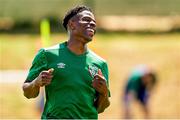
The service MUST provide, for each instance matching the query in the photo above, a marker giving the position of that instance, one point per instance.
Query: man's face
(147, 80)
(85, 25)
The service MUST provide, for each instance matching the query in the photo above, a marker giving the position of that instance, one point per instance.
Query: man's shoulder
(96, 56)
(55, 47)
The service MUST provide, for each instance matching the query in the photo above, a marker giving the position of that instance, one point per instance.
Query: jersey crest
(93, 70)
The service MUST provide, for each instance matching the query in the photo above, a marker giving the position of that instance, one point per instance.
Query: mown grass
(122, 52)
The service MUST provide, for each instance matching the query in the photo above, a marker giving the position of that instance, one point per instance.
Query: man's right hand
(44, 78)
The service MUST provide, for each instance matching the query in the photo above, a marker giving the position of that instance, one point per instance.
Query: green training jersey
(135, 81)
(70, 93)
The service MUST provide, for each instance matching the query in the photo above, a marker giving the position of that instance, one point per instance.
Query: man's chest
(70, 69)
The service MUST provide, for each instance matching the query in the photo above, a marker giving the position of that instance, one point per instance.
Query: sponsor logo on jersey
(61, 65)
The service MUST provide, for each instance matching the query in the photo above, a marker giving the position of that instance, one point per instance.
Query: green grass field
(122, 52)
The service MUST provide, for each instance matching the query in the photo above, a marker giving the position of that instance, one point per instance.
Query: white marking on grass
(13, 76)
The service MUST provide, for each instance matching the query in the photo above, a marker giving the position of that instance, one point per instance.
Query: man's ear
(71, 25)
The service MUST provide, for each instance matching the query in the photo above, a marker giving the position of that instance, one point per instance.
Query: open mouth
(90, 31)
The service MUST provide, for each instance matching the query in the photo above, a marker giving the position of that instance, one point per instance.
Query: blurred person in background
(74, 77)
(138, 89)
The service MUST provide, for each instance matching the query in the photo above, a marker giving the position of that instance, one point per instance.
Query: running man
(75, 78)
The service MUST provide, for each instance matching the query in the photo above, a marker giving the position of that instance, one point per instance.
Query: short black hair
(154, 78)
(72, 12)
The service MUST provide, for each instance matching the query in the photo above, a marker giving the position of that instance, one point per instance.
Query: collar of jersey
(69, 51)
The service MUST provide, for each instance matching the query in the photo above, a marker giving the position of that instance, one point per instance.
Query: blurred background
(129, 32)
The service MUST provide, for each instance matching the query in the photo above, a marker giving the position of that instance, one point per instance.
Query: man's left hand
(99, 84)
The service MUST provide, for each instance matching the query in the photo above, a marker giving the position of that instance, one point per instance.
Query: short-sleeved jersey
(135, 85)
(70, 93)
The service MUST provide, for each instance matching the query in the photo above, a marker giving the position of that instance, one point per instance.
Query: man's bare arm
(31, 89)
(102, 101)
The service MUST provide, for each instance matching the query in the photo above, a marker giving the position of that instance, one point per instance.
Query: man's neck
(76, 46)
